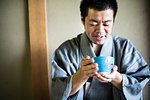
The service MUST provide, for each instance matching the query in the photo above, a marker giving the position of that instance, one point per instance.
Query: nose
(100, 28)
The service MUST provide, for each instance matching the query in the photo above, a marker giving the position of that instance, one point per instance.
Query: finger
(115, 68)
(104, 79)
(91, 72)
(90, 67)
(98, 79)
(108, 76)
(85, 61)
(87, 57)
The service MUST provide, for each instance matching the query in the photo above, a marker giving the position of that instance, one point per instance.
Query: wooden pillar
(38, 49)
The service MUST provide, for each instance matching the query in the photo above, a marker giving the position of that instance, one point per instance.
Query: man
(74, 73)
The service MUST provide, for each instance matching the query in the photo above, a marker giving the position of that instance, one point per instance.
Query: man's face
(98, 25)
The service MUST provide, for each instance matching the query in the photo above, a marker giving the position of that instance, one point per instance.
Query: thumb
(115, 68)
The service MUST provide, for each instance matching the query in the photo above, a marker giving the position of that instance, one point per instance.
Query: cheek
(90, 30)
(108, 30)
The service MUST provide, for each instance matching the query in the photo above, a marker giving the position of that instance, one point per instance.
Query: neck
(96, 48)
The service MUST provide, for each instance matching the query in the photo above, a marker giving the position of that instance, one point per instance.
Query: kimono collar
(86, 47)
(107, 48)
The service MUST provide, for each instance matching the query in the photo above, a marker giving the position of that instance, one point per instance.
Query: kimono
(66, 61)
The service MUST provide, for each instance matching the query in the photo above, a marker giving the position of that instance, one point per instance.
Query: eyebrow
(93, 20)
(107, 21)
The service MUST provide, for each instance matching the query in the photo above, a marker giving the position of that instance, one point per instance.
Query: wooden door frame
(38, 49)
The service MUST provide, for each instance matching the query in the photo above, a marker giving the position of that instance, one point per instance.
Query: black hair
(97, 5)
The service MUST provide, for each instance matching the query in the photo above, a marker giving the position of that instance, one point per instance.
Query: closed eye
(106, 24)
(93, 24)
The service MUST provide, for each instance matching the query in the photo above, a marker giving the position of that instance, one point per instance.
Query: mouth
(100, 37)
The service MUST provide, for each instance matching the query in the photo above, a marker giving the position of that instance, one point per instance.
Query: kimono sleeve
(64, 65)
(61, 84)
(135, 72)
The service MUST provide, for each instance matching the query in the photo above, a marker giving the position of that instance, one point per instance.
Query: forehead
(100, 15)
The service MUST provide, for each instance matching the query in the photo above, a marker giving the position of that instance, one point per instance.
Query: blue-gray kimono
(66, 61)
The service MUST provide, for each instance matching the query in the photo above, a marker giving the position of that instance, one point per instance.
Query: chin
(101, 43)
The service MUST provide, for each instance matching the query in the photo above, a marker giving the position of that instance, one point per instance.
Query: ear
(82, 20)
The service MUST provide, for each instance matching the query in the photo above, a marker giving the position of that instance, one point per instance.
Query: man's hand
(115, 77)
(87, 69)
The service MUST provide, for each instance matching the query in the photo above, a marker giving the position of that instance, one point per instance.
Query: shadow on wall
(146, 91)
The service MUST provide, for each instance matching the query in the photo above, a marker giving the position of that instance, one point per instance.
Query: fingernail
(87, 57)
